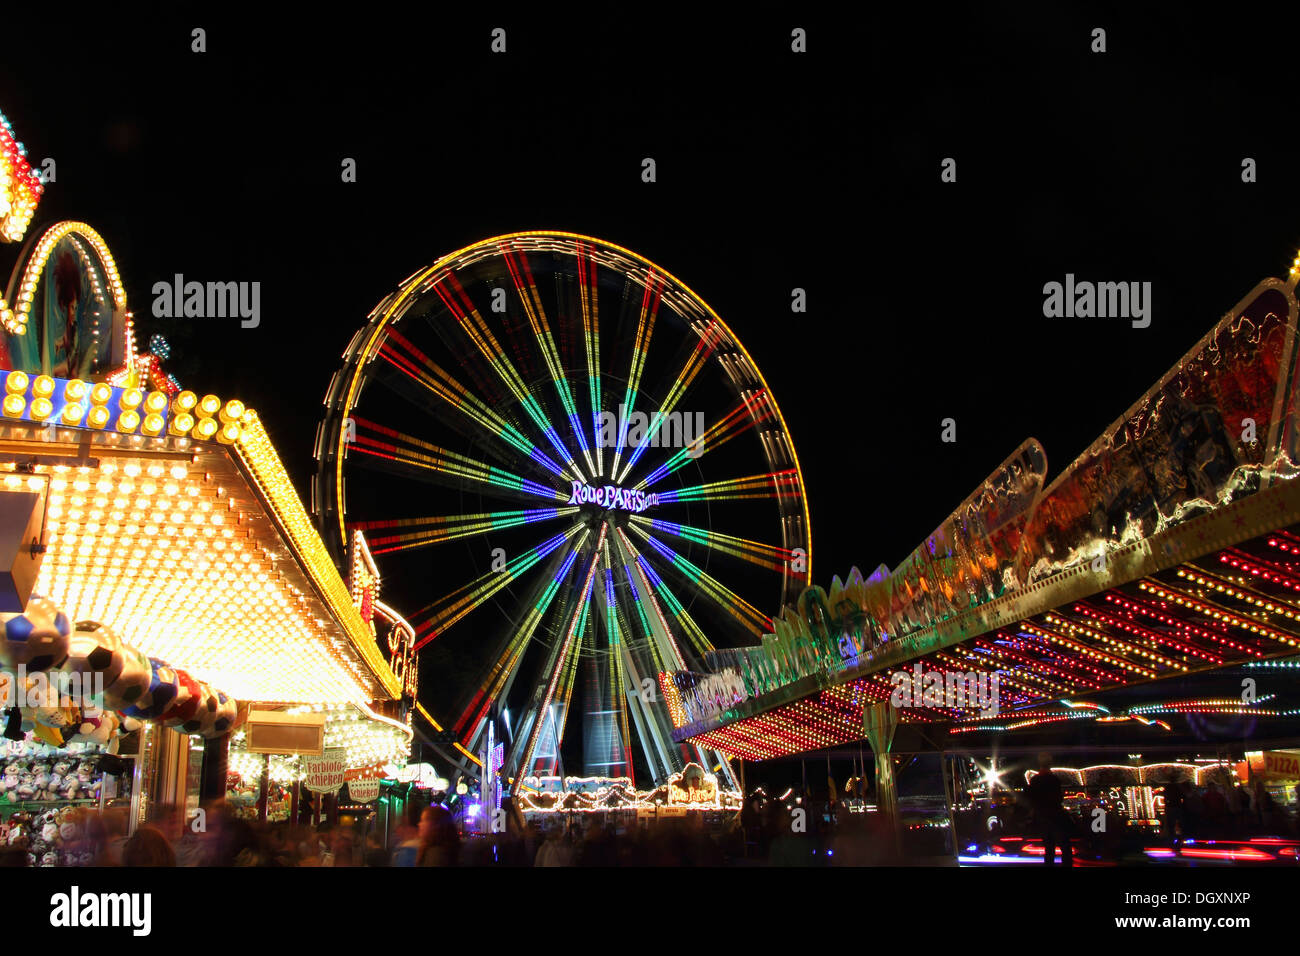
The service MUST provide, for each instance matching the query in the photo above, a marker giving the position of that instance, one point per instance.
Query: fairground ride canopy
(1170, 547)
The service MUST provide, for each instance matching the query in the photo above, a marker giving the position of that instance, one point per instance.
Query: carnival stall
(162, 577)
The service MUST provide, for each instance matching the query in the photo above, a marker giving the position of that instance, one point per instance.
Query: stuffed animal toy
(99, 730)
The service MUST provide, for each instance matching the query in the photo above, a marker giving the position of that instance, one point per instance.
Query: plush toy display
(136, 686)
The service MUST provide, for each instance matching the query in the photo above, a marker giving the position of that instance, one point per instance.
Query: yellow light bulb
(42, 408)
(209, 406)
(75, 390)
(16, 383)
(98, 417)
(43, 387)
(100, 394)
(130, 400)
(14, 406)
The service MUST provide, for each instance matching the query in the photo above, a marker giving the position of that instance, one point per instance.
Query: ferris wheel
(575, 478)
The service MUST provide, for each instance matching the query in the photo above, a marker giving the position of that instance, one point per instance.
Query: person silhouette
(1050, 818)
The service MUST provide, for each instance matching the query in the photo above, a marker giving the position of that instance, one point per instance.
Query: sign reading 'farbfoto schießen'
(324, 774)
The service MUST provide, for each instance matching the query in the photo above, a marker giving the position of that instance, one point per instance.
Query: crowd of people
(222, 837)
(802, 830)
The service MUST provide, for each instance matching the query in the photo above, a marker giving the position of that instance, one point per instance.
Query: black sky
(775, 170)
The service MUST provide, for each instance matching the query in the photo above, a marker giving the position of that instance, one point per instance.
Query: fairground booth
(172, 629)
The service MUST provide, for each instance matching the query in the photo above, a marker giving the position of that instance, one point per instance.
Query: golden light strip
(1217, 613)
(1086, 651)
(1123, 647)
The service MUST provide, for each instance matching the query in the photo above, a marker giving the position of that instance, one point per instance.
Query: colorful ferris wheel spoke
(661, 634)
(751, 411)
(457, 302)
(618, 678)
(420, 369)
(565, 694)
(560, 653)
(588, 299)
(754, 620)
(679, 612)
(439, 528)
(507, 662)
(526, 288)
(644, 639)
(710, 337)
(416, 456)
(441, 614)
(774, 484)
(645, 326)
(768, 556)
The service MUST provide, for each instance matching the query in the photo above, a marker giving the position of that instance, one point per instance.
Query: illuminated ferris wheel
(576, 478)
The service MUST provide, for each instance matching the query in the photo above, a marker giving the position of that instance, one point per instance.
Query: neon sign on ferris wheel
(609, 496)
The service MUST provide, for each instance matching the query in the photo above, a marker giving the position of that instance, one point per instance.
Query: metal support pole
(950, 796)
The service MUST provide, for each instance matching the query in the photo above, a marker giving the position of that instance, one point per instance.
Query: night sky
(775, 170)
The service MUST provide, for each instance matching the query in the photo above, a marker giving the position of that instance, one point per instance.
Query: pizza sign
(1278, 763)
